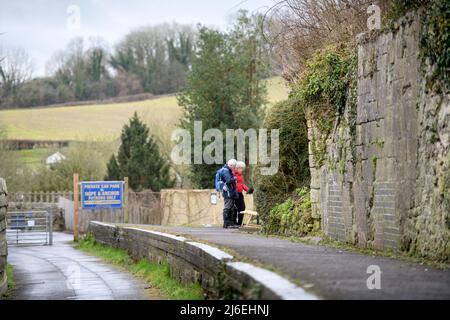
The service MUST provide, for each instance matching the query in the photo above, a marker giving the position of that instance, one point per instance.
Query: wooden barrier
(143, 208)
(39, 196)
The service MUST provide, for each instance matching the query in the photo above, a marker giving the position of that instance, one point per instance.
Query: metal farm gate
(29, 228)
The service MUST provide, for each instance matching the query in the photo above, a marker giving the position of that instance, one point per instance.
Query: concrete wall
(193, 207)
(220, 274)
(386, 180)
(3, 244)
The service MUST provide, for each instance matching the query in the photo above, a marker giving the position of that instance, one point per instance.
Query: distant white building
(54, 158)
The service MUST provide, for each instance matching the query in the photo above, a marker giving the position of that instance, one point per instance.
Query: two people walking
(230, 181)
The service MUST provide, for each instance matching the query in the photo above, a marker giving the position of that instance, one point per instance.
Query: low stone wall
(219, 273)
(193, 207)
(3, 244)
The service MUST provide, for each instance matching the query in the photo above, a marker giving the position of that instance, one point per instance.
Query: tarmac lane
(60, 272)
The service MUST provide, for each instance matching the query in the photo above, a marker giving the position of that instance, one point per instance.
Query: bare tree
(297, 28)
(16, 68)
(1, 58)
(158, 55)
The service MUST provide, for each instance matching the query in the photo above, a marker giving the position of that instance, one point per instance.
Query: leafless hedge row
(297, 28)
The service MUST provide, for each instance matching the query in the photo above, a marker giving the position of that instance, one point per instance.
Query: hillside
(99, 122)
(102, 122)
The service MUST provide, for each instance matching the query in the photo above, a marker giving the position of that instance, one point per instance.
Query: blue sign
(102, 194)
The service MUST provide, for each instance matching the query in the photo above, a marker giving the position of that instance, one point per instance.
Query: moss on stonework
(374, 160)
(342, 166)
(11, 283)
(444, 182)
(435, 44)
(377, 142)
(434, 38)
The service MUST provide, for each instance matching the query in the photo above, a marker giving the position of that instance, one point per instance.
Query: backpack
(218, 180)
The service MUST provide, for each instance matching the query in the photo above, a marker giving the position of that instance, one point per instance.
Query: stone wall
(386, 181)
(3, 244)
(220, 274)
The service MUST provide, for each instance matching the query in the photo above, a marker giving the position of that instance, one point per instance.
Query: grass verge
(11, 282)
(157, 275)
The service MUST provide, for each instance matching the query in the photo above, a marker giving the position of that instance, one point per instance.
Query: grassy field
(102, 122)
(34, 157)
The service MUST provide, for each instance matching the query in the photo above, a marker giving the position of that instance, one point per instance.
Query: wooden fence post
(126, 214)
(76, 199)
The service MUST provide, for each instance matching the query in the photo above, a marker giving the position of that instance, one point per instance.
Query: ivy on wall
(435, 44)
(327, 86)
(434, 39)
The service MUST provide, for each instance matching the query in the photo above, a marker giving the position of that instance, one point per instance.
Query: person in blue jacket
(229, 193)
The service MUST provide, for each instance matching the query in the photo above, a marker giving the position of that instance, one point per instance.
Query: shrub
(88, 159)
(292, 217)
(293, 171)
(326, 87)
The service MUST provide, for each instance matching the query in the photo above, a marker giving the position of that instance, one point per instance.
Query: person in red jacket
(240, 188)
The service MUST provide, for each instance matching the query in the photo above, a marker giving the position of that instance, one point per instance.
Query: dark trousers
(240, 206)
(228, 209)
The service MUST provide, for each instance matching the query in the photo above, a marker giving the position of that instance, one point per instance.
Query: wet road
(60, 272)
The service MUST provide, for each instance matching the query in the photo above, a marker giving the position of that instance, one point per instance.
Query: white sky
(41, 26)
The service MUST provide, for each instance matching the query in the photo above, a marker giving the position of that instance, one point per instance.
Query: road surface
(60, 272)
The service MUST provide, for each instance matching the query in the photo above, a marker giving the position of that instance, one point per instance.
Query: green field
(102, 122)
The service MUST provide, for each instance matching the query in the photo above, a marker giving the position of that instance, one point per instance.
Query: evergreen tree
(224, 89)
(113, 170)
(139, 159)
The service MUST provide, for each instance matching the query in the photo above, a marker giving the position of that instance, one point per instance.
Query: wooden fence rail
(39, 196)
(144, 208)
